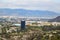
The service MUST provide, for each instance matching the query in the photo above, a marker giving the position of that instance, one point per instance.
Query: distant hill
(24, 12)
(57, 19)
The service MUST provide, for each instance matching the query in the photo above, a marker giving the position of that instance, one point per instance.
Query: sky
(50, 5)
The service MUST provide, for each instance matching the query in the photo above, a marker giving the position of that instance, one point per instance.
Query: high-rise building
(22, 25)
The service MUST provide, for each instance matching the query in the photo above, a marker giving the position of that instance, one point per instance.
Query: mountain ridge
(23, 12)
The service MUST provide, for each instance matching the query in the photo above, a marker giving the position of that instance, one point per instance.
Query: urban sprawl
(28, 28)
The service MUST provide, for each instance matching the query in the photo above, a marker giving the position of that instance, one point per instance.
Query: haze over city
(31, 8)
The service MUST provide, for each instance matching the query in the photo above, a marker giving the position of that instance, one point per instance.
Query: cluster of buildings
(41, 23)
(22, 22)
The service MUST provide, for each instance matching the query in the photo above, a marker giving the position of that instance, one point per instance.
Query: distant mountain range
(23, 12)
(57, 19)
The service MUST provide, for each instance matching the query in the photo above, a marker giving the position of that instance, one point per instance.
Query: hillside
(57, 19)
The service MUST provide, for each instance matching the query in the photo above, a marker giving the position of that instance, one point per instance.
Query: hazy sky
(50, 5)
